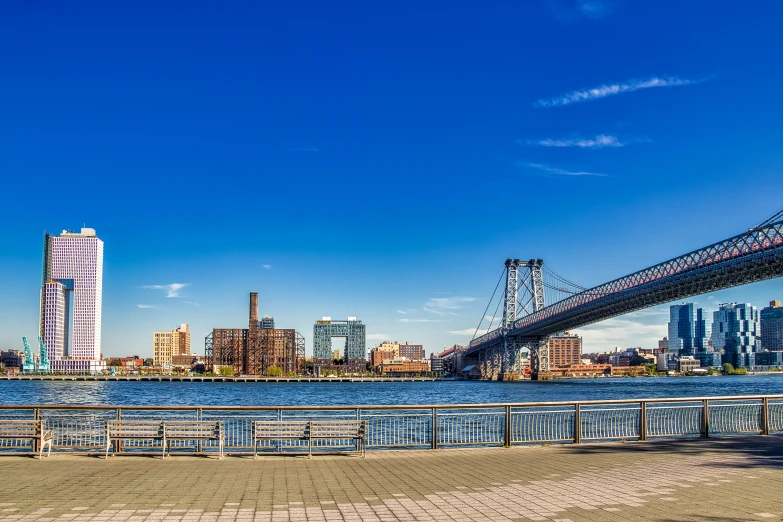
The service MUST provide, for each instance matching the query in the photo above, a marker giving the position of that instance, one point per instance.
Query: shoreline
(188, 378)
(252, 379)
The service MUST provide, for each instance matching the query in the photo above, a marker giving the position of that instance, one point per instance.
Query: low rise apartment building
(167, 345)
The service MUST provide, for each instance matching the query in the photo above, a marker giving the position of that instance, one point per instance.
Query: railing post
(359, 418)
(765, 416)
(37, 440)
(434, 434)
(642, 420)
(577, 424)
(705, 419)
(199, 415)
(507, 428)
(279, 443)
(117, 443)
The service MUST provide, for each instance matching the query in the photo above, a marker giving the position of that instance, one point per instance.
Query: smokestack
(254, 307)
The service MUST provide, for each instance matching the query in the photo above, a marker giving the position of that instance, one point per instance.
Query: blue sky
(365, 159)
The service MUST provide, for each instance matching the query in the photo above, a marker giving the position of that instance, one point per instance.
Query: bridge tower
(533, 297)
(524, 295)
(508, 352)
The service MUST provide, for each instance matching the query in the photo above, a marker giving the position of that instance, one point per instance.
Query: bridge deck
(749, 257)
(716, 479)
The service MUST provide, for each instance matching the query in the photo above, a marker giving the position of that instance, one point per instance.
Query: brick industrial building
(390, 350)
(565, 349)
(255, 350)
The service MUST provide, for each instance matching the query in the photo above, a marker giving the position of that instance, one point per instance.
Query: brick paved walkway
(717, 480)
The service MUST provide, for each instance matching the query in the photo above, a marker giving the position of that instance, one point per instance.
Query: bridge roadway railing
(82, 428)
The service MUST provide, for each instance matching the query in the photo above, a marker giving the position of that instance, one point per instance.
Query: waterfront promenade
(718, 480)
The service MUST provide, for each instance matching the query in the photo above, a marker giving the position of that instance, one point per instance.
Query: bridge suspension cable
(777, 216)
(563, 279)
(557, 287)
(494, 314)
(484, 315)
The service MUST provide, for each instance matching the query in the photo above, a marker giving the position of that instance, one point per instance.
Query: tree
(637, 360)
(274, 371)
(115, 362)
(227, 371)
(728, 368)
(149, 361)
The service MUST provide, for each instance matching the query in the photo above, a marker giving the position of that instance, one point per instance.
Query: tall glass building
(737, 333)
(689, 329)
(772, 327)
(71, 294)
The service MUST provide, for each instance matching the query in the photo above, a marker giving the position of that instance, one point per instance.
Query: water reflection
(343, 393)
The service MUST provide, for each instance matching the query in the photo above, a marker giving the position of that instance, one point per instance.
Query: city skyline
(354, 165)
(601, 328)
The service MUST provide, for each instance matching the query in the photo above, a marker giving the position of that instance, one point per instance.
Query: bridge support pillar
(496, 361)
(510, 370)
(540, 369)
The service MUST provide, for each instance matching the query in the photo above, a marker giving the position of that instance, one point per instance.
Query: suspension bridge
(538, 303)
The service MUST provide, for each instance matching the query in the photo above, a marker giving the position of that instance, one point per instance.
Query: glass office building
(737, 333)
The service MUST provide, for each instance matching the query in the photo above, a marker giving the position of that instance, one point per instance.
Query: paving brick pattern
(717, 480)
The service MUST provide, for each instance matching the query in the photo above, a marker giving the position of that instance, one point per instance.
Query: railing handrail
(389, 407)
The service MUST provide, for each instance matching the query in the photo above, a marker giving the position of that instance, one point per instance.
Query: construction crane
(43, 359)
(29, 363)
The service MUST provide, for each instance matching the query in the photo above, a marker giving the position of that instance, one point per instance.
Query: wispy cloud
(621, 332)
(557, 171)
(598, 142)
(266, 267)
(411, 320)
(146, 306)
(191, 303)
(402, 312)
(594, 9)
(464, 331)
(171, 290)
(606, 90)
(574, 10)
(447, 303)
(304, 149)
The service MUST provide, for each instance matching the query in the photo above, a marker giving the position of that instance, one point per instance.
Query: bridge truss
(752, 256)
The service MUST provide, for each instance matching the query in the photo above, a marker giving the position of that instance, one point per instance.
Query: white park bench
(28, 429)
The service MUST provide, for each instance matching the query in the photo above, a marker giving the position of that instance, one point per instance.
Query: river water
(375, 393)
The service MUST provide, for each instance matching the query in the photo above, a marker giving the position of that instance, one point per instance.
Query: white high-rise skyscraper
(71, 300)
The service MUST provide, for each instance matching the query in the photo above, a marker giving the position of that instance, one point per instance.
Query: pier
(709, 458)
(717, 480)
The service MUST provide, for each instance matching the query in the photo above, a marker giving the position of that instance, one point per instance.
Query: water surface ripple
(374, 393)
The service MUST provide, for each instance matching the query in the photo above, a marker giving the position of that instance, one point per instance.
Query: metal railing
(83, 428)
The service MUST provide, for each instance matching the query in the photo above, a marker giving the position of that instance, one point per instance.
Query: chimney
(254, 307)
